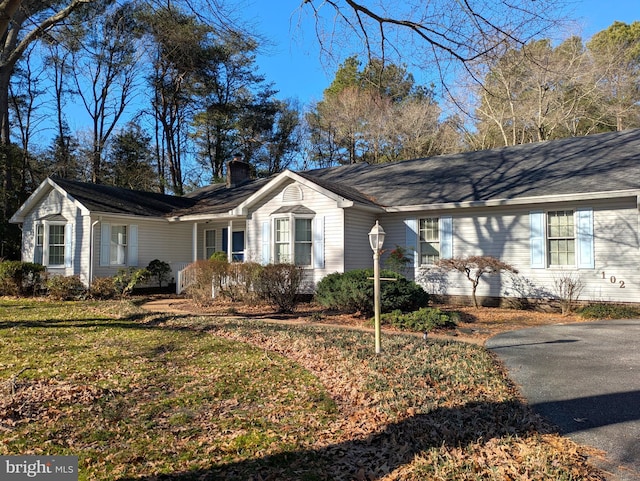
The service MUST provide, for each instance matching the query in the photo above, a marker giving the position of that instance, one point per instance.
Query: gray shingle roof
(116, 200)
(595, 163)
(218, 199)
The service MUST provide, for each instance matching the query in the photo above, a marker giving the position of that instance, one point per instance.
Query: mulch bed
(477, 324)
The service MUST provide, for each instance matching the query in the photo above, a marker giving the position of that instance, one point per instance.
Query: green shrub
(159, 270)
(19, 278)
(65, 288)
(608, 311)
(219, 256)
(423, 320)
(353, 292)
(279, 285)
(126, 279)
(103, 288)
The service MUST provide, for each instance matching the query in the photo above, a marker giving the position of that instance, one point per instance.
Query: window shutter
(132, 255)
(266, 242)
(318, 242)
(105, 244)
(446, 237)
(584, 238)
(68, 245)
(411, 239)
(37, 253)
(536, 239)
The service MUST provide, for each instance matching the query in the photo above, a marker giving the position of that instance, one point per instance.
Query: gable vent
(292, 193)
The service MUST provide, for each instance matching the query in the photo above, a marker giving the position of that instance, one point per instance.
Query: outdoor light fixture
(376, 240)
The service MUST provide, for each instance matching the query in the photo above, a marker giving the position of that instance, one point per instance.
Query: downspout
(91, 250)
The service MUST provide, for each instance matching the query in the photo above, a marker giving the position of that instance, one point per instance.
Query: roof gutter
(230, 215)
(519, 201)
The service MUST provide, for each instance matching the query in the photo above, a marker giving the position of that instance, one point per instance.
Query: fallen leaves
(160, 397)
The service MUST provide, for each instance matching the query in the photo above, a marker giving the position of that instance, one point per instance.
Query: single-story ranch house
(550, 209)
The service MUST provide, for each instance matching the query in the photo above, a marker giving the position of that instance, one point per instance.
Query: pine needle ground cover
(139, 396)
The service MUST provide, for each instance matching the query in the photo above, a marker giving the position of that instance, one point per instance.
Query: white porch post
(194, 241)
(230, 241)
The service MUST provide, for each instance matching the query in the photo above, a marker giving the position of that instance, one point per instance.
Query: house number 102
(613, 280)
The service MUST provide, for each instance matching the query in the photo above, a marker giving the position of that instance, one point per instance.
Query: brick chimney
(238, 172)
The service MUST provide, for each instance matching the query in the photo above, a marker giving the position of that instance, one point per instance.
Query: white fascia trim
(205, 217)
(520, 201)
(79, 205)
(46, 186)
(243, 208)
(107, 216)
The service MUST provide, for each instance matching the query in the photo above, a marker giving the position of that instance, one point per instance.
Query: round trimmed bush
(352, 292)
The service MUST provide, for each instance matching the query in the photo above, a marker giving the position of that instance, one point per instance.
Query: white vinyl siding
(357, 225)
(327, 231)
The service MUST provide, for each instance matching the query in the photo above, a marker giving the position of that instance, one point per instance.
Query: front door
(237, 244)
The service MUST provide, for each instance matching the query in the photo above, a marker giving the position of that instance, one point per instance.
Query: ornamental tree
(474, 267)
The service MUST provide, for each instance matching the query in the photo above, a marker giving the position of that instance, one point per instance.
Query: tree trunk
(5, 139)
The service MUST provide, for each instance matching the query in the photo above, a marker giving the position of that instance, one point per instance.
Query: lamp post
(376, 240)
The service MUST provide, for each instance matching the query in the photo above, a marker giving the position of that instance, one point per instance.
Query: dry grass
(179, 397)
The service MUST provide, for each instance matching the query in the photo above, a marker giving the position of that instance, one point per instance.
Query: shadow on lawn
(370, 457)
(131, 321)
(376, 455)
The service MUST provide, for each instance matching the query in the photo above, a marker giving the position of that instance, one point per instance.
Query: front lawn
(140, 396)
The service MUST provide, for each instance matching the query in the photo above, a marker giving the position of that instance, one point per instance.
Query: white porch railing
(185, 275)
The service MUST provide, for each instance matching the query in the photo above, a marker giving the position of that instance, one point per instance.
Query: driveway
(585, 378)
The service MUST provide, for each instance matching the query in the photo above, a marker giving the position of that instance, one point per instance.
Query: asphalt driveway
(585, 378)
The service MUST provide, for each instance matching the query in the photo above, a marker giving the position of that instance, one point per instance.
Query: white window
(303, 242)
(561, 238)
(56, 245)
(209, 243)
(52, 248)
(295, 245)
(282, 241)
(118, 245)
(429, 235)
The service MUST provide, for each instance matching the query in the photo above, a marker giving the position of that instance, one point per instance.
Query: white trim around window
(53, 243)
(209, 246)
(296, 240)
(430, 238)
(562, 238)
(118, 245)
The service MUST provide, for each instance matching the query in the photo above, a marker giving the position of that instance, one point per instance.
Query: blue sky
(294, 65)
